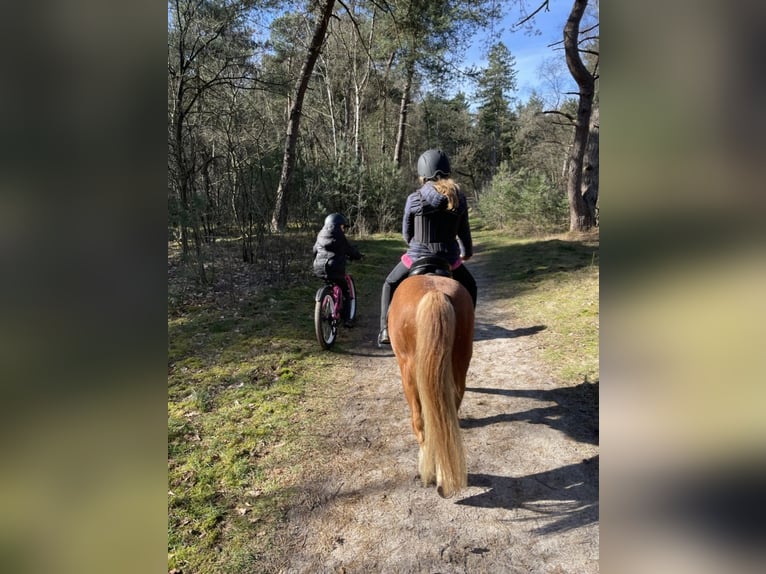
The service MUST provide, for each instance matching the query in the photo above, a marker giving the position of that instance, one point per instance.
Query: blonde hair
(449, 188)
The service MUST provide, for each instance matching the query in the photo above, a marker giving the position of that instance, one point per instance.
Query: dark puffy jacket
(330, 252)
(429, 228)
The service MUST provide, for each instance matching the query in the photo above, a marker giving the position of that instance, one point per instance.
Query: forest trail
(532, 450)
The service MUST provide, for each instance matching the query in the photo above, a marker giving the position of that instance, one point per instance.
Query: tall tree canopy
(496, 86)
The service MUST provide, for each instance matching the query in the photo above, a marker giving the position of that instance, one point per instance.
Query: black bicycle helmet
(432, 163)
(335, 219)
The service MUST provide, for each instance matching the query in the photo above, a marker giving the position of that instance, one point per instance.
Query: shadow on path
(487, 331)
(575, 412)
(568, 496)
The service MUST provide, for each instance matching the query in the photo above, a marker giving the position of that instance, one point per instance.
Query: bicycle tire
(352, 300)
(324, 323)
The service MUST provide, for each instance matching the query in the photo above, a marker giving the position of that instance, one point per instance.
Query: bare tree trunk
(359, 86)
(279, 217)
(590, 166)
(183, 175)
(580, 218)
(403, 114)
(184, 208)
(384, 115)
(331, 110)
(209, 219)
(189, 213)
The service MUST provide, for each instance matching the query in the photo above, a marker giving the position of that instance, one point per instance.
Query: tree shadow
(365, 350)
(575, 412)
(366, 344)
(567, 495)
(361, 341)
(487, 331)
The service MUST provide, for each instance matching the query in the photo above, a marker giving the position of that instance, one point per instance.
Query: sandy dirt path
(532, 499)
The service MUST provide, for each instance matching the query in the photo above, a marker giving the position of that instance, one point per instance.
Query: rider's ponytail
(450, 189)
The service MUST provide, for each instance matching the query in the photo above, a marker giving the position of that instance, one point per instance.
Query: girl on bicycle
(330, 252)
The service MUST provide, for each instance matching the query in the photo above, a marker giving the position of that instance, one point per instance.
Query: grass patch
(241, 357)
(551, 282)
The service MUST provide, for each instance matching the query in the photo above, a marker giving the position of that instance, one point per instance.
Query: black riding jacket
(429, 228)
(330, 252)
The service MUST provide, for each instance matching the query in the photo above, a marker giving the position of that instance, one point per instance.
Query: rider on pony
(435, 224)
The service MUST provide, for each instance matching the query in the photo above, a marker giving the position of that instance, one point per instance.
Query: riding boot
(385, 302)
(347, 322)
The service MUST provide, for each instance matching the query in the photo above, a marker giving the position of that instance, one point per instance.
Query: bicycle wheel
(324, 323)
(352, 302)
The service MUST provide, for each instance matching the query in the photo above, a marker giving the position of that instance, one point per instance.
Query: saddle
(431, 266)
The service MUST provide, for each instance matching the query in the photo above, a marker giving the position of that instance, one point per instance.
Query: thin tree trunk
(183, 177)
(279, 217)
(359, 87)
(331, 109)
(189, 214)
(384, 115)
(208, 215)
(578, 210)
(403, 108)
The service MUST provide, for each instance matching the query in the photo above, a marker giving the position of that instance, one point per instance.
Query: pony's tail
(443, 451)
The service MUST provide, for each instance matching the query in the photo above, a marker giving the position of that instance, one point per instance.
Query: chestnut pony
(430, 323)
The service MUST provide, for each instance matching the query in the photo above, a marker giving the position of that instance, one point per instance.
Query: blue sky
(530, 51)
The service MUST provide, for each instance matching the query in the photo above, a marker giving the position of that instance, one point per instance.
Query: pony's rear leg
(425, 459)
(425, 463)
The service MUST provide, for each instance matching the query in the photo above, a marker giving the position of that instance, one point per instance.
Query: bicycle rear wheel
(324, 323)
(352, 301)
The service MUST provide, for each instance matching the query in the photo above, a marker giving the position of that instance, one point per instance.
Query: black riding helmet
(432, 163)
(335, 219)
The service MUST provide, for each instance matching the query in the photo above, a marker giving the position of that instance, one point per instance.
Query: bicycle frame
(337, 297)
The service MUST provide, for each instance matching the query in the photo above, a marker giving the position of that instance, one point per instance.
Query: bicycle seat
(431, 266)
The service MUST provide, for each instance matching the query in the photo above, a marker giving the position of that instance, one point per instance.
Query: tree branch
(385, 8)
(532, 15)
(570, 117)
(356, 25)
(589, 29)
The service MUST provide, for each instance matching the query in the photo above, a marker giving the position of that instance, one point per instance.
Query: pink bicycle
(328, 310)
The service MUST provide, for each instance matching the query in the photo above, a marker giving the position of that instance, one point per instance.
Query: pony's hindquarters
(430, 322)
(442, 452)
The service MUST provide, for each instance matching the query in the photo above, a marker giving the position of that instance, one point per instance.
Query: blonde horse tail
(443, 451)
